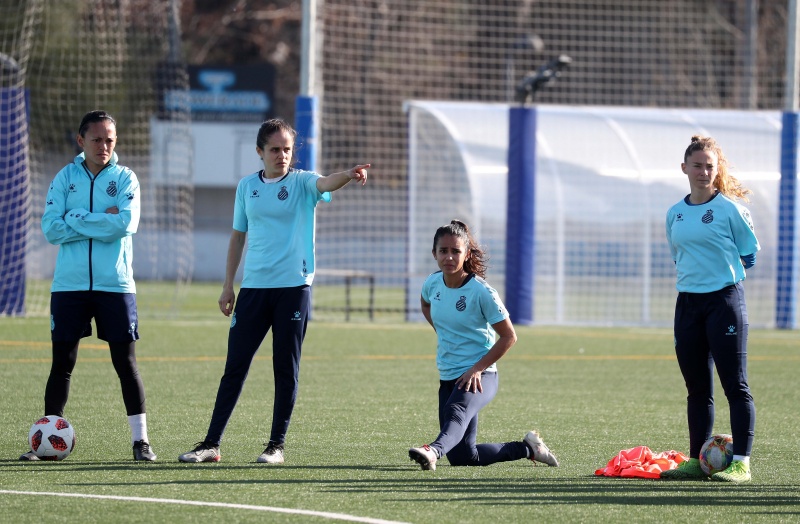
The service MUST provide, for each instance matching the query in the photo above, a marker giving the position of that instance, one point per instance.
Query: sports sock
(138, 425)
(743, 458)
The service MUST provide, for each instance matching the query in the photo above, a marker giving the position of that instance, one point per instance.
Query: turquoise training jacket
(95, 248)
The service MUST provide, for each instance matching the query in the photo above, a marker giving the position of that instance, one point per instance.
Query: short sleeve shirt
(707, 242)
(463, 318)
(279, 219)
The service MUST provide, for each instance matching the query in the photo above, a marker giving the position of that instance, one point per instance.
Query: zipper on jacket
(92, 178)
(91, 208)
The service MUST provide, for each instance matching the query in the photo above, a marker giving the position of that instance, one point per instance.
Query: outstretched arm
(338, 180)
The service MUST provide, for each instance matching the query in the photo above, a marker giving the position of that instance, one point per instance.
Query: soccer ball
(716, 454)
(52, 438)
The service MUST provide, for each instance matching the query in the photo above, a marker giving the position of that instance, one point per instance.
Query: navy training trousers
(458, 422)
(286, 312)
(711, 331)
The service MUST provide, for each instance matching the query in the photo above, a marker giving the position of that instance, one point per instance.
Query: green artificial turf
(367, 394)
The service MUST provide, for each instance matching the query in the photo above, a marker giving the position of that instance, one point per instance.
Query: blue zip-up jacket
(96, 248)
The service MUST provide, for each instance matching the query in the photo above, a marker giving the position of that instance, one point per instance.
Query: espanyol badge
(111, 190)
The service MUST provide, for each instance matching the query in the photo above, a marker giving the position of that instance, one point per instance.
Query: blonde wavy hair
(725, 183)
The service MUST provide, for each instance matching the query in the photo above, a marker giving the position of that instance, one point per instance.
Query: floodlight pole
(306, 106)
(174, 24)
(791, 96)
(521, 194)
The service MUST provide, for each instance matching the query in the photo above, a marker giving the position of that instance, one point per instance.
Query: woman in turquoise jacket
(91, 212)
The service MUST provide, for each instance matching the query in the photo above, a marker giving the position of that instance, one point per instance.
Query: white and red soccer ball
(52, 438)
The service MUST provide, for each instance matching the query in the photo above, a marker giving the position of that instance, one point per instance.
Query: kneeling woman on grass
(466, 314)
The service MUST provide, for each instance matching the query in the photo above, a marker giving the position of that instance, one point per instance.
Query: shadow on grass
(408, 483)
(167, 465)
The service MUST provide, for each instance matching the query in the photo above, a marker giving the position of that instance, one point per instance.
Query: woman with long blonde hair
(712, 241)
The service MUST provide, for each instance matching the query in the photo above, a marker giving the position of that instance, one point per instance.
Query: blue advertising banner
(226, 93)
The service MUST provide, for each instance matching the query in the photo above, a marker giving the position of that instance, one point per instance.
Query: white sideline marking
(321, 514)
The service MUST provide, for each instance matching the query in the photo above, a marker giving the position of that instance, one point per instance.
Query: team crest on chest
(283, 194)
(111, 190)
(708, 217)
(461, 305)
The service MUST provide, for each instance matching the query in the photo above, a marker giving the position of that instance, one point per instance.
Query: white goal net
(624, 53)
(63, 59)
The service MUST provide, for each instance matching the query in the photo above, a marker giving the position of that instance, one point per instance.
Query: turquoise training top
(463, 319)
(707, 242)
(95, 248)
(279, 219)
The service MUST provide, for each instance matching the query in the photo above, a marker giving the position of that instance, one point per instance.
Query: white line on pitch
(321, 514)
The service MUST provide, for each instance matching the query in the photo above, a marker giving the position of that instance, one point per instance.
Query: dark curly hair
(477, 259)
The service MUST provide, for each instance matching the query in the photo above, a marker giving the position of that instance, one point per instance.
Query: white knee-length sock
(138, 425)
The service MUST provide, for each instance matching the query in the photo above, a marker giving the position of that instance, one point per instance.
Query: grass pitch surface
(367, 394)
